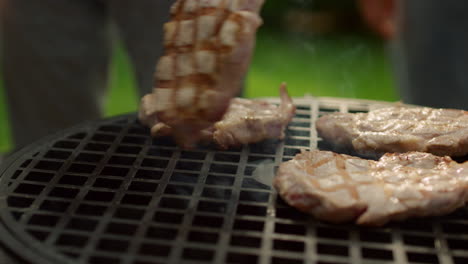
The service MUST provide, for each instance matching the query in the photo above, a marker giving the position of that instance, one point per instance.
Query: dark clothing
(56, 56)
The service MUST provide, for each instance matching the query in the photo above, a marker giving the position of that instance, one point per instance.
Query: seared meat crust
(340, 188)
(398, 129)
(208, 48)
(246, 121)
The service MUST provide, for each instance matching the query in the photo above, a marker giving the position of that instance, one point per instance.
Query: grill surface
(105, 192)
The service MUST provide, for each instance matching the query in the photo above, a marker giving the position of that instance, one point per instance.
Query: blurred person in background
(428, 40)
(56, 56)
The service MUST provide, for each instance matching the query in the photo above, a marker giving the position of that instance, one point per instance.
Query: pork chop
(246, 121)
(398, 129)
(208, 46)
(340, 188)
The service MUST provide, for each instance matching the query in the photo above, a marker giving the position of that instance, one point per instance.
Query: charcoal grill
(105, 192)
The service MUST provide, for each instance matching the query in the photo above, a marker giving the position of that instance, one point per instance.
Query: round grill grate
(105, 192)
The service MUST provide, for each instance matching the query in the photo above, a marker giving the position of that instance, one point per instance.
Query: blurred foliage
(320, 47)
(274, 12)
(276, 7)
(338, 65)
(122, 96)
(5, 138)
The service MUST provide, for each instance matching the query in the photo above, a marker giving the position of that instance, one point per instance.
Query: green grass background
(352, 66)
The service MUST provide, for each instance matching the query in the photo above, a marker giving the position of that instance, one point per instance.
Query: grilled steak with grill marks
(398, 129)
(339, 188)
(246, 121)
(208, 48)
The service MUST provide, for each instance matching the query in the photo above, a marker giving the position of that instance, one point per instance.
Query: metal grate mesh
(107, 193)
